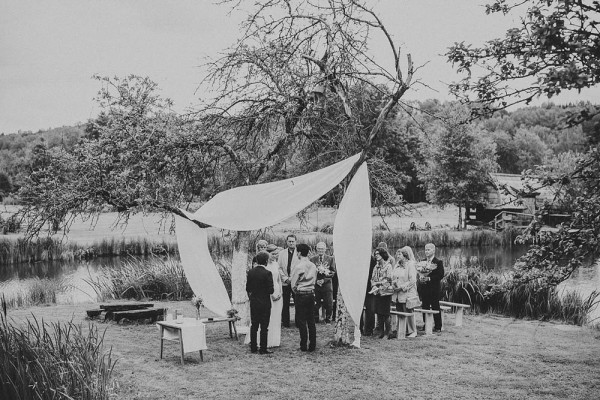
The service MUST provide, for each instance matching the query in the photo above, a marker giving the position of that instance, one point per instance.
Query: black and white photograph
(284, 199)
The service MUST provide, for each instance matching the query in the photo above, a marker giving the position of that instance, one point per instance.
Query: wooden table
(190, 333)
(231, 321)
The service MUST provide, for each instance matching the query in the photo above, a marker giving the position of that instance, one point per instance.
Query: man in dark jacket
(431, 286)
(259, 285)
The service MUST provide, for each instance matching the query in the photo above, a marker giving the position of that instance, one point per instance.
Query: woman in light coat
(404, 282)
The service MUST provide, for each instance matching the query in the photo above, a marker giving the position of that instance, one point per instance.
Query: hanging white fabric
(248, 208)
(352, 237)
(199, 267)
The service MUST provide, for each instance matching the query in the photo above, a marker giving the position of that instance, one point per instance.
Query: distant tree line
(517, 140)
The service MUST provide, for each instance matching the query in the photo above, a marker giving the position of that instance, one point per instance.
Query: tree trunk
(460, 220)
(343, 323)
(239, 266)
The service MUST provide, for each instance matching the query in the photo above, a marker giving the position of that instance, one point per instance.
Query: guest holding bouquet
(324, 286)
(431, 273)
(381, 287)
(404, 282)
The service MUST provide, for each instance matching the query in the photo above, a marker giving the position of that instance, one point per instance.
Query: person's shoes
(368, 334)
(311, 349)
(382, 335)
(421, 328)
(327, 321)
(393, 335)
(413, 335)
(265, 352)
(303, 349)
(437, 330)
(253, 350)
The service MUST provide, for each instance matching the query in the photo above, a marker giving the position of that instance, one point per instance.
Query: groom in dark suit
(431, 287)
(259, 285)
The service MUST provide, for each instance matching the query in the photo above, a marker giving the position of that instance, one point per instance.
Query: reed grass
(15, 251)
(53, 361)
(484, 292)
(37, 291)
(153, 278)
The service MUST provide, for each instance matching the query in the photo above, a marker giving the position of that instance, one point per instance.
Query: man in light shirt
(304, 277)
(287, 260)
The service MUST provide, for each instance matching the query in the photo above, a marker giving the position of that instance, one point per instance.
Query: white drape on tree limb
(258, 206)
(352, 237)
(199, 267)
(248, 208)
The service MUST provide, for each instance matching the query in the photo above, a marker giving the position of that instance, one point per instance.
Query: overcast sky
(49, 50)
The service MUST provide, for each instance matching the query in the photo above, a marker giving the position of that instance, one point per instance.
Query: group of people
(278, 274)
(404, 283)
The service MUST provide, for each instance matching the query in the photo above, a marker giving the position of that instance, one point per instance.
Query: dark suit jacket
(259, 285)
(329, 262)
(371, 268)
(436, 275)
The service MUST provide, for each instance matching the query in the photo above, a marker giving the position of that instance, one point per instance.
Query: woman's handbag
(413, 302)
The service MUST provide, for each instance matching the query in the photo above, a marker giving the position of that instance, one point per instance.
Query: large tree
(456, 161)
(268, 91)
(555, 48)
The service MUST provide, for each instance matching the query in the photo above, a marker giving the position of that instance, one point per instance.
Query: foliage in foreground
(53, 361)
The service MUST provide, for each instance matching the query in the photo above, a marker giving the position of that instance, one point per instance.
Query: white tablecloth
(193, 333)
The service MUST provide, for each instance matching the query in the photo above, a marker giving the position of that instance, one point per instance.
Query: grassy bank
(490, 357)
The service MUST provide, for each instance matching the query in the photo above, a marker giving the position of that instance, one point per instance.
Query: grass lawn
(490, 357)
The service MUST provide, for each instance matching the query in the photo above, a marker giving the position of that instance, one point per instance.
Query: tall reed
(37, 291)
(15, 251)
(482, 291)
(53, 361)
(154, 278)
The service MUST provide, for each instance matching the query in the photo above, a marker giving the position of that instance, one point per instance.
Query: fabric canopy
(248, 208)
(352, 237)
(199, 268)
(259, 206)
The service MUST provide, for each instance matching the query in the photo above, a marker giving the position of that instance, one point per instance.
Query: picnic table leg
(201, 356)
(234, 329)
(428, 324)
(401, 326)
(161, 340)
(181, 345)
(230, 332)
(459, 315)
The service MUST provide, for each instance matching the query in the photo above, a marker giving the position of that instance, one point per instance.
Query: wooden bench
(459, 310)
(428, 319)
(401, 322)
(444, 310)
(153, 314)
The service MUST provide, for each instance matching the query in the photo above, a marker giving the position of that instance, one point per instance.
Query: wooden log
(125, 306)
(93, 313)
(151, 313)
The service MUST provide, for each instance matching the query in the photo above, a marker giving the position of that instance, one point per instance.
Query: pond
(76, 275)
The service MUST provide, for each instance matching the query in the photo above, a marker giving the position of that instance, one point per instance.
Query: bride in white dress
(274, 334)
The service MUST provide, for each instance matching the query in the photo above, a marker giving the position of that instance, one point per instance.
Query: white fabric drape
(352, 237)
(248, 208)
(259, 206)
(199, 267)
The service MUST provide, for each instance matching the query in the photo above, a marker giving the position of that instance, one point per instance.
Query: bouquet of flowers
(323, 269)
(425, 267)
(197, 302)
(233, 313)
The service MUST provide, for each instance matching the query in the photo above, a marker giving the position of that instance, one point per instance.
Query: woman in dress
(404, 282)
(274, 335)
(381, 283)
